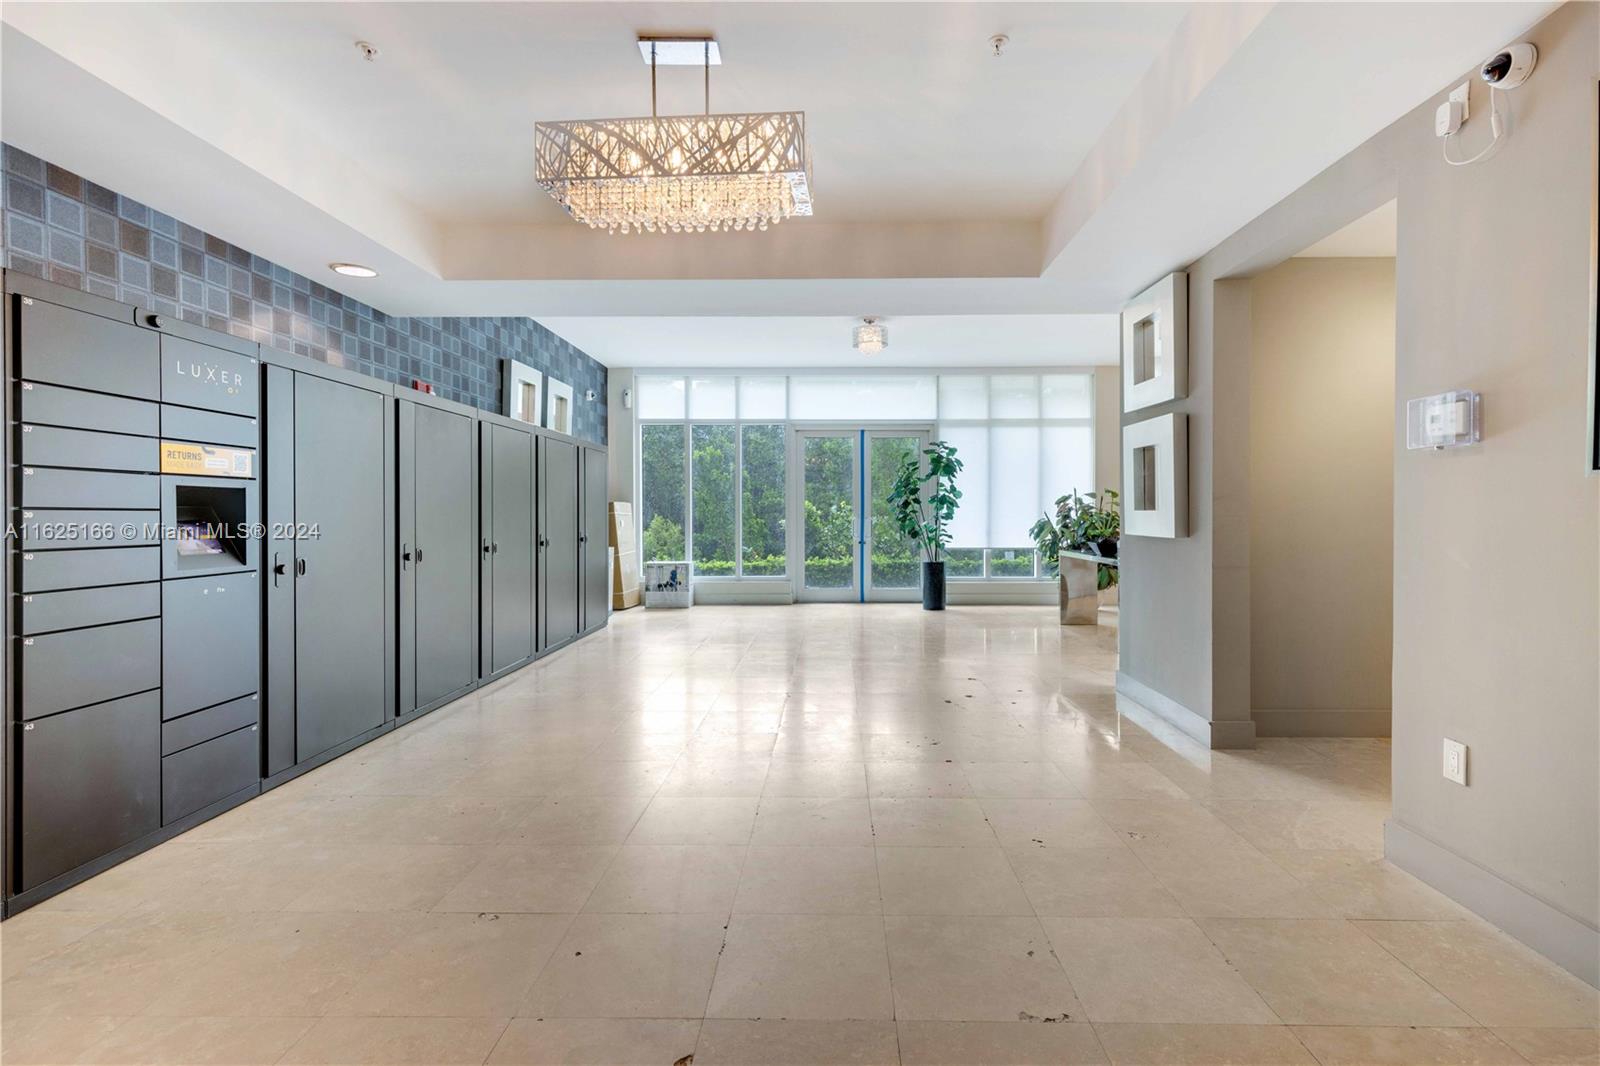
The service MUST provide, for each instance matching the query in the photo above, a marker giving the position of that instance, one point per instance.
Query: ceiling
(805, 341)
(958, 195)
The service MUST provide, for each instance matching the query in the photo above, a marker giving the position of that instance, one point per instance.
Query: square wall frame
(1155, 344)
(1155, 477)
(523, 391)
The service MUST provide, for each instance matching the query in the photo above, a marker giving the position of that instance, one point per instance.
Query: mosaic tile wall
(71, 231)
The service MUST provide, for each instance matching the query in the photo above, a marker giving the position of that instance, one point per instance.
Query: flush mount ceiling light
(353, 270)
(677, 173)
(871, 337)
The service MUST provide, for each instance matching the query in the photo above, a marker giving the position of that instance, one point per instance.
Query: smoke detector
(998, 42)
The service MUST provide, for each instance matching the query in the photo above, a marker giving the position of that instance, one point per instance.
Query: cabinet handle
(278, 569)
(405, 556)
(495, 548)
(486, 547)
(583, 538)
(419, 556)
(299, 568)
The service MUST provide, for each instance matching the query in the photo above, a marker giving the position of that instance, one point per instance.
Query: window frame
(687, 376)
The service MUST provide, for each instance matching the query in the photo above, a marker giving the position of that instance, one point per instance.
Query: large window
(715, 525)
(661, 517)
(714, 465)
(764, 551)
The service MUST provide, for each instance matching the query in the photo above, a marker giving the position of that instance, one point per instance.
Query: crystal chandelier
(680, 173)
(871, 337)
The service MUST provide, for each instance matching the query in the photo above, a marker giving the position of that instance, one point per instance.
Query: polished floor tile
(1152, 970)
(811, 834)
(803, 966)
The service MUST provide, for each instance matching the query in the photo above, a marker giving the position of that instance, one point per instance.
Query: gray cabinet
(328, 589)
(559, 557)
(506, 546)
(438, 533)
(594, 539)
(90, 783)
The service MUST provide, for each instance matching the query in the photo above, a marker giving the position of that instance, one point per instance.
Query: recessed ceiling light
(353, 270)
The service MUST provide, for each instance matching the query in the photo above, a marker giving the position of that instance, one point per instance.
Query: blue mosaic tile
(58, 226)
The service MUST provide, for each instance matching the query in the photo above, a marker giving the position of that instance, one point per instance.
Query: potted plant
(926, 522)
(1087, 525)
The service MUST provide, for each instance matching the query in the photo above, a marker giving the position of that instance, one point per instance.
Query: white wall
(1497, 547)
(1322, 497)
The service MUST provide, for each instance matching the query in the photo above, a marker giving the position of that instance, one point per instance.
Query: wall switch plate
(1455, 761)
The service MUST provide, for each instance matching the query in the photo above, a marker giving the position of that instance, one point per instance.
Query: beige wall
(1497, 547)
(1107, 423)
(1321, 496)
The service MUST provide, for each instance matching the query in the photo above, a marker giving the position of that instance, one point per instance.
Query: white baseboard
(1321, 722)
(1568, 941)
(1227, 734)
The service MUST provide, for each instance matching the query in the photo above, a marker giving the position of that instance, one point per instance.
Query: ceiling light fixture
(871, 337)
(677, 173)
(353, 270)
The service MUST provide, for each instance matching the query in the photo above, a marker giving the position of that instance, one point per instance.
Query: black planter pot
(933, 586)
(1108, 548)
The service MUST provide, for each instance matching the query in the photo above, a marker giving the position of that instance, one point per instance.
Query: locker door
(596, 568)
(444, 554)
(511, 547)
(558, 524)
(340, 579)
(278, 481)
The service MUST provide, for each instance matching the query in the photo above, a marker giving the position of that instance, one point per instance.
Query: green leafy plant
(1082, 523)
(926, 522)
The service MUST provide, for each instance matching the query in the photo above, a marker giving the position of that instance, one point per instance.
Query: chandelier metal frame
(677, 173)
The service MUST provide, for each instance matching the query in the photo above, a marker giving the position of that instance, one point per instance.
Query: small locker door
(596, 561)
(339, 572)
(443, 554)
(510, 543)
(558, 540)
(277, 476)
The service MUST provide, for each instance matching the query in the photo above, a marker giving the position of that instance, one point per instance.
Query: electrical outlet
(1455, 761)
(1462, 94)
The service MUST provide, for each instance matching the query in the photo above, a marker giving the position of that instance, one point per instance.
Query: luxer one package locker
(230, 565)
(438, 498)
(135, 615)
(330, 596)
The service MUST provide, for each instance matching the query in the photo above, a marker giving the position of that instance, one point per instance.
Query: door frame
(870, 593)
(859, 433)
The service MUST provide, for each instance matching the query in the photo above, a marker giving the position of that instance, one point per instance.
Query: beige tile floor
(791, 835)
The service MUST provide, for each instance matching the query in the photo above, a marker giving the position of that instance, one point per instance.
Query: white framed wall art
(523, 386)
(1155, 344)
(1155, 477)
(559, 398)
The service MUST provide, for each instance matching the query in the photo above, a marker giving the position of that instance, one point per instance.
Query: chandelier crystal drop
(677, 173)
(871, 337)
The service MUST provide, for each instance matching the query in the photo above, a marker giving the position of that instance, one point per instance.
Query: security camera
(1509, 67)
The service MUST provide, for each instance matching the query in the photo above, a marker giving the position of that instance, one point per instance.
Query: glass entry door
(849, 546)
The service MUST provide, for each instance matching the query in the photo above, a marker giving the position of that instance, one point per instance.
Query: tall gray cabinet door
(444, 558)
(278, 481)
(340, 638)
(558, 536)
(511, 547)
(596, 563)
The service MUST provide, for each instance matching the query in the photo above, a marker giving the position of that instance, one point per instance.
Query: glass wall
(714, 465)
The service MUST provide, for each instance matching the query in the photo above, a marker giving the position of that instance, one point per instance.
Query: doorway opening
(1322, 440)
(851, 549)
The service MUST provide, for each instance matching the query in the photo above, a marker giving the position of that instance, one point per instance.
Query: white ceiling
(955, 191)
(444, 117)
(794, 341)
(1372, 236)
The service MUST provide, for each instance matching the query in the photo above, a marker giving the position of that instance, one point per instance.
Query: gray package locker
(438, 553)
(595, 539)
(506, 547)
(559, 579)
(330, 598)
